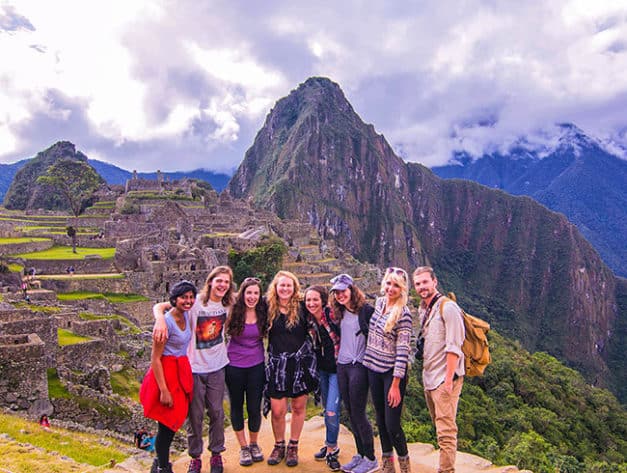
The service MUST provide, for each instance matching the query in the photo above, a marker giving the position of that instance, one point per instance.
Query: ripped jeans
(331, 402)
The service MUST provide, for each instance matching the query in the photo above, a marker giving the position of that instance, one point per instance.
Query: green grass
(65, 253)
(56, 390)
(113, 297)
(82, 276)
(69, 338)
(125, 383)
(129, 326)
(47, 309)
(15, 268)
(49, 445)
(12, 241)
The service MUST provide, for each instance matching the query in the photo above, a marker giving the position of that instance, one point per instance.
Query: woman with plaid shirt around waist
(387, 360)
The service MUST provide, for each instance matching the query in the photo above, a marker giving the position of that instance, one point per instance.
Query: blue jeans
(331, 400)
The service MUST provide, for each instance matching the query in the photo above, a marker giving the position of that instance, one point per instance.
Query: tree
(75, 180)
(71, 232)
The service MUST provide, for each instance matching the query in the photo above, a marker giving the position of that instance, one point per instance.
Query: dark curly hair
(237, 315)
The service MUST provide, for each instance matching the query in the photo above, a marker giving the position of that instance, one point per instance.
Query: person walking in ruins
(291, 370)
(167, 387)
(354, 313)
(387, 360)
(325, 336)
(208, 358)
(441, 336)
(246, 326)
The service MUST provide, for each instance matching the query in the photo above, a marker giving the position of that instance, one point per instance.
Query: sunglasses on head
(257, 280)
(399, 271)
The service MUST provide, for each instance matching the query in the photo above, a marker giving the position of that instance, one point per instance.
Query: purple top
(246, 350)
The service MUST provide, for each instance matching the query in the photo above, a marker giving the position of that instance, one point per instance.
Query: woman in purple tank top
(246, 326)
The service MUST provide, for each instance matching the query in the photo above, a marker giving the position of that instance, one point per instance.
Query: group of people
(331, 343)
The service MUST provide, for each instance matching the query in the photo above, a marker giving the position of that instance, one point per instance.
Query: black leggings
(352, 380)
(245, 382)
(388, 418)
(162, 445)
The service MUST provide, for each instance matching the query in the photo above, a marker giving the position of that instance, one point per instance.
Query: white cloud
(141, 80)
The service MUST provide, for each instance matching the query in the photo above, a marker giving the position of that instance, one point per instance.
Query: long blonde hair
(400, 277)
(273, 300)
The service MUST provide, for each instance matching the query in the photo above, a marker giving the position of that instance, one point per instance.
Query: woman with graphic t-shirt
(246, 326)
(208, 358)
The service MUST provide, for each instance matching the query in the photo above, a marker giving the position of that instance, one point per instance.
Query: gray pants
(208, 394)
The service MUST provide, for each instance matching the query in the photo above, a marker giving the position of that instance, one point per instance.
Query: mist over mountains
(575, 175)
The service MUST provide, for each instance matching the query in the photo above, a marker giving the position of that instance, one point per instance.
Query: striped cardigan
(386, 351)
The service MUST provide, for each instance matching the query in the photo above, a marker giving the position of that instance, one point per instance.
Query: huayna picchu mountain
(526, 269)
(572, 173)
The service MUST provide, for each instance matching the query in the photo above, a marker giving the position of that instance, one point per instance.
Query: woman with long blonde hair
(387, 360)
(291, 370)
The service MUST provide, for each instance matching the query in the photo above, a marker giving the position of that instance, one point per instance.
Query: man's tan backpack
(475, 347)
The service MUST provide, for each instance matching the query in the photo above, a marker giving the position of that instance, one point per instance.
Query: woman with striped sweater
(387, 360)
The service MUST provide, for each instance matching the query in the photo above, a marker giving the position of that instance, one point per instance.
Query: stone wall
(83, 356)
(23, 375)
(24, 322)
(18, 248)
(85, 266)
(98, 285)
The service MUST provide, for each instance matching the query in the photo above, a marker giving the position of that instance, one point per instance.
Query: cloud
(139, 83)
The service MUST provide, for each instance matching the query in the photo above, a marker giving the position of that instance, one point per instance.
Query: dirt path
(424, 458)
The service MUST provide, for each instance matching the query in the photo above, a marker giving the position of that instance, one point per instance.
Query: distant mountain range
(574, 175)
(116, 175)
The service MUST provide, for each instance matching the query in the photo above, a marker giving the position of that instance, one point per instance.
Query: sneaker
(277, 455)
(332, 460)
(321, 454)
(255, 452)
(245, 458)
(195, 465)
(216, 464)
(366, 466)
(292, 454)
(348, 468)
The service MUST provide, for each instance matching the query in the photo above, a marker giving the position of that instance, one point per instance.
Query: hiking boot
(332, 459)
(404, 465)
(165, 469)
(388, 464)
(277, 455)
(321, 454)
(255, 452)
(245, 458)
(216, 464)
(348, 467)
(195, 465)
(366, 466)
(292, 454)
(155, 466)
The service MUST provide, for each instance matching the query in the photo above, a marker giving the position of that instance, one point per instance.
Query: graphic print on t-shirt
(209, 330)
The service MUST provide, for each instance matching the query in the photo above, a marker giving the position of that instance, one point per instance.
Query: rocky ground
(424, 457)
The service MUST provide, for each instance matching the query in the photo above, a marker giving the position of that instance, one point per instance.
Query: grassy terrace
(113, 297)
(77, 276)
(12, 241)
(29, 448)
(69, 338)
(65, 253)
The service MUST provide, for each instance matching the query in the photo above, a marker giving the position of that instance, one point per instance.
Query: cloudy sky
(178, 85)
